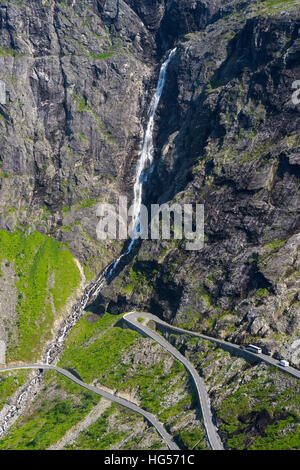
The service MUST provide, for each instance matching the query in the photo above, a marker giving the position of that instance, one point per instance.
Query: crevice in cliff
(256, 280)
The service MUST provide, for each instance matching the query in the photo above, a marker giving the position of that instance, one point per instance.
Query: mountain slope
(79, 78)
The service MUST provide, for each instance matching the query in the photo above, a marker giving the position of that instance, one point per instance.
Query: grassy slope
(47, 276)
(60, 406)
(104, 433)
(97, 350)
(257, 407)
(262, 396)
(9, 384)
(96, 356)
(102, 359)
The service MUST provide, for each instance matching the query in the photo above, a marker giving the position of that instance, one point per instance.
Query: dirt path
(72, 434)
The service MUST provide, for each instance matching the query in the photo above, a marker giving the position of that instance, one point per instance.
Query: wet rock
(228, 138)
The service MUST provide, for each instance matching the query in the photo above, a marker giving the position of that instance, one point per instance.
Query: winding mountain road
(212, 435)
(132, 320)
(234, 348)
(109, 396)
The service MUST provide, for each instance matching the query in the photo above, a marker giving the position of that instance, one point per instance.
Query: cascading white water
(145, 162)
(146, 156)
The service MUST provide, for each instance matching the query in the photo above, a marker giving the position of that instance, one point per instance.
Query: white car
(284, 363)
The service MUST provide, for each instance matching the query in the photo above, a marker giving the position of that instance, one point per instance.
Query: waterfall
(145, 162)
(144, 168)
(146, 155)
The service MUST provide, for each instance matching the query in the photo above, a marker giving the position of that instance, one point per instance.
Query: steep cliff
(79, 77)
(228, 138)
(76, 86)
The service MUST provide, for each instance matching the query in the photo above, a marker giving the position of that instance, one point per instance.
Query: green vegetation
(116, 424)
(85, 330)
(9, 384)
(99, 350)
(261, 413)
(104, 55)
(53, 414)
(278, 411)
(4, 174)
(46, 277)
(190, 320)
(99, 358)
(153, 383)
(9, 51)
(275, 244)
(66, 209)
(96, 436)
(81, 103)
(264, 8)
(82, 136)
(193, 439)
(278, 437)
(66, 228)
(82, 106)
(261, 150)
(273, 6)
(183, 405)
(140, 282)
(262, 292)
(87, 203)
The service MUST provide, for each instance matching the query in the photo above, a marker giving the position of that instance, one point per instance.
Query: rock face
(228, 138)
(170, 20)
(71, 125)
(78, 81)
